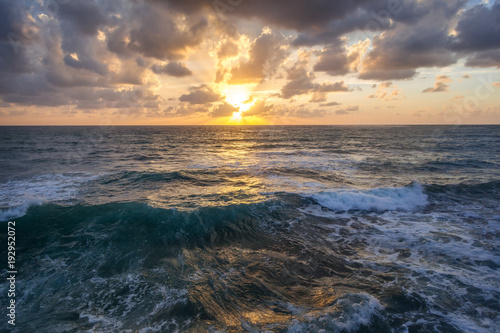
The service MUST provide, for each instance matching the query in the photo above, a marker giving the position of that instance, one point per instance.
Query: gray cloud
(490, 58)
(84, 53)
(301, 82)
(201, 94)
(175, 69)
(224, 110)
(157, 35)
(478, 29)
(398, 53)
(330, 104)
(85, 15)
(266, 53)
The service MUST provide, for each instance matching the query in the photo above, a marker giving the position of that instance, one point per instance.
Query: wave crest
(378, 199)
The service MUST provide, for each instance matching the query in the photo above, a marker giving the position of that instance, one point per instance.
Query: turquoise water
(249, 229)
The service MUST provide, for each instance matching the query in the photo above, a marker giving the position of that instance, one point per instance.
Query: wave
(378, 199)
(202, 227)
(16, 196)
(487, 189)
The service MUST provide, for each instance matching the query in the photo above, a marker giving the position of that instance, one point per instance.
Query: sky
(249, 62)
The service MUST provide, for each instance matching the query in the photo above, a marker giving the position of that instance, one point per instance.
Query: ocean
(252, 229)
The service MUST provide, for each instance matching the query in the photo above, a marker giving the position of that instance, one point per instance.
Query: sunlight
(239, 97)
(237, 118)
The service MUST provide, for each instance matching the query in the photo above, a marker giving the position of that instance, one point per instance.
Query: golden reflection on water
(236, 288)
(224, 175)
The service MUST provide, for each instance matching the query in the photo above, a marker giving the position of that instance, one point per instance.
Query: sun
(242, 98)
(239, 97)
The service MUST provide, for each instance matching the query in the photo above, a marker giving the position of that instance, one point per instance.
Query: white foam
(444, 249)
(356, 310)
(378, 199)
(16, 196)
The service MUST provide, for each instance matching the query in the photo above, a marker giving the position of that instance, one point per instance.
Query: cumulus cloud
(338, 59)
(202, 94)
(176, 69)
(97, 54)
(398, 53)
(161, 36)
(224, 110)
(261, 109)
(478, 29)
(385, 94)
(440, 85)
(489, 58)
(266, 54)
(301, 81)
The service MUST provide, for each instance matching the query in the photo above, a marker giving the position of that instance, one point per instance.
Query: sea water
(253, 229)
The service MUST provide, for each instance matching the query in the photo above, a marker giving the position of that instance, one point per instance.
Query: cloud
(385, 95)
(301, 82)
(440, 84)
(227, 49)
(85, 15)
(266, 53)
(224, 110)
(490, 58)
(98, 54)
(160, 36)
(261, 109)
(338, 59)
(201, 94)
(419, 113)
(399, 52)
(347, 110)
(330, 104)
(175, 69)
(264, 110)
(478, 29)
(296, 15)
